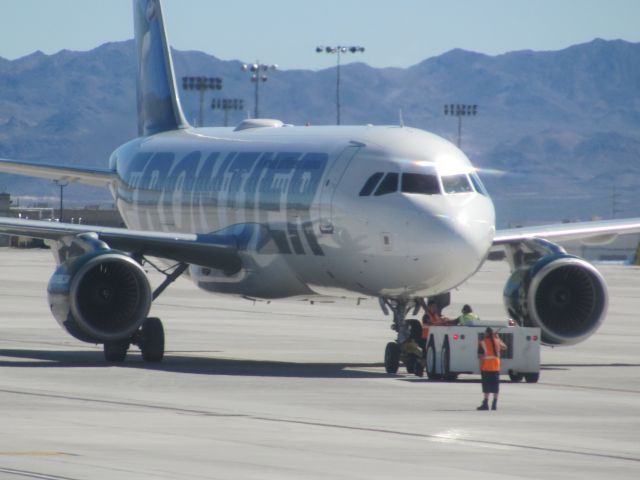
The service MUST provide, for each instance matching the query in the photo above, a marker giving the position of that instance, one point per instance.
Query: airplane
(267, 210)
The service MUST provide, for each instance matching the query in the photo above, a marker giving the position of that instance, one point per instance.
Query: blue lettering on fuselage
(204, 191)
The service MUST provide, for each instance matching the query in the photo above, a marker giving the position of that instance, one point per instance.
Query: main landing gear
(149, 338)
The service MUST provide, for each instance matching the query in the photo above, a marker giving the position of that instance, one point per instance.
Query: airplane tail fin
(159, 108)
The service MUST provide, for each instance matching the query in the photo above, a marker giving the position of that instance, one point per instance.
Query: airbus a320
(270, 210)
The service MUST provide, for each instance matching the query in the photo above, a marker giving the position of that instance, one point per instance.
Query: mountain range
(557, 134)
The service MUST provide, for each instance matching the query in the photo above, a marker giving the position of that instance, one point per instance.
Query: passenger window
(420, 183)
(456, 183)
(371, 184)
(477, 184)
(389, 184)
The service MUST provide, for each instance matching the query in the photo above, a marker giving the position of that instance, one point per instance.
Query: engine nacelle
(100, 296)
(563, 295)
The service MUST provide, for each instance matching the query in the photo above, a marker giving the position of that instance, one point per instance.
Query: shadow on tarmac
(179, 363)
(190, 363)
(569, 366)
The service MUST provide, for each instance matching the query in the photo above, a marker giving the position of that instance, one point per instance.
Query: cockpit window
(389, 184)
(477, 184)
(371, 184)
(420, 183)
(456, 183)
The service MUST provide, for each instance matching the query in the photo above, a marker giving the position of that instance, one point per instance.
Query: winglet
(159, 108)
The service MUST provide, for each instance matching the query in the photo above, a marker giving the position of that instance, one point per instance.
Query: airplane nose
(462, 240)
(456, 239)
(473, 235)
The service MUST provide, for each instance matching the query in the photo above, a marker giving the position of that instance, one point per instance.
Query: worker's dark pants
(490, 382)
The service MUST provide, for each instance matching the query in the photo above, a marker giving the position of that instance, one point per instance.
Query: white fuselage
(348, 211)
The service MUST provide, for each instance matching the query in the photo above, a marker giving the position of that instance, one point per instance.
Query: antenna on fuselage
(401, 119)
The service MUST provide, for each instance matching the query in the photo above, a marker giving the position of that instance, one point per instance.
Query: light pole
(339, 50)
(227, 104)
(61, 184)
(201, 84)
(459, 110)
(258, 73)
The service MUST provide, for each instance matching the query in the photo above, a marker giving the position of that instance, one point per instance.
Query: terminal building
(89, 215)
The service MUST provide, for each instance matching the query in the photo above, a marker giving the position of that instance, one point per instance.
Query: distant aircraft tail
(159, 108)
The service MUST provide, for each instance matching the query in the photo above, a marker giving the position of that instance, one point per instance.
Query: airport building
(89, 215)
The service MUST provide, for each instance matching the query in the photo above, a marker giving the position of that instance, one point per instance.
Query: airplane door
(330, 185)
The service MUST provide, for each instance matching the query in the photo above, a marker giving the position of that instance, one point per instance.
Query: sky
(397, 33)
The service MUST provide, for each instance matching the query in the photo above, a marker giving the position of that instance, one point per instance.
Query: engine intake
(100, 296)
(563, 295)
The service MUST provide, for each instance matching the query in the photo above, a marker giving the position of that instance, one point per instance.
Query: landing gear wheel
(409, 365)
(392, 357)
(431, 363)
(446, 365)
(418, 367)
(532, 377)
(151, 340)
(515, 377)
(115, 352)
(415, 329)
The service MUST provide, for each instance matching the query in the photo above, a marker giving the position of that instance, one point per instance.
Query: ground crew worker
(433, 315)
(489, 349)
(423, 339)
(467, 317)
(425, 332)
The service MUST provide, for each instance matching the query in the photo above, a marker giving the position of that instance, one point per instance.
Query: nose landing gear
(407, 347)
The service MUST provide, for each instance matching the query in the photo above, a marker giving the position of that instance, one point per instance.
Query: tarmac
(290, 390)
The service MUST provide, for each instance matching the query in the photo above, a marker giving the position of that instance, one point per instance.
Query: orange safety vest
(435, 318)
(491, 358)
(425, 332)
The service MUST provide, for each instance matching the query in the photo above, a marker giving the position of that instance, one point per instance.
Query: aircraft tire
(409, 365)
(418, 367)
(152, 340)
(532, 377)
(415, 329)
(515, 377)
(392, 357)
(116, 352)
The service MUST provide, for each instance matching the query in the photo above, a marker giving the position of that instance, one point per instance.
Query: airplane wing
(594, 232)
(219, 251)
(90, 176)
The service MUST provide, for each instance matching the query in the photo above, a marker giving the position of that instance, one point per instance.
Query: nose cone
(447, 246)
(473, 228)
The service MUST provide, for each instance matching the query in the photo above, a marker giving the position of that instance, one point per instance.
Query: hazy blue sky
(286, 32)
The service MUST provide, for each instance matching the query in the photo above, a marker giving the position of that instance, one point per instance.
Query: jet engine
(563, 295)
(100, 296)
